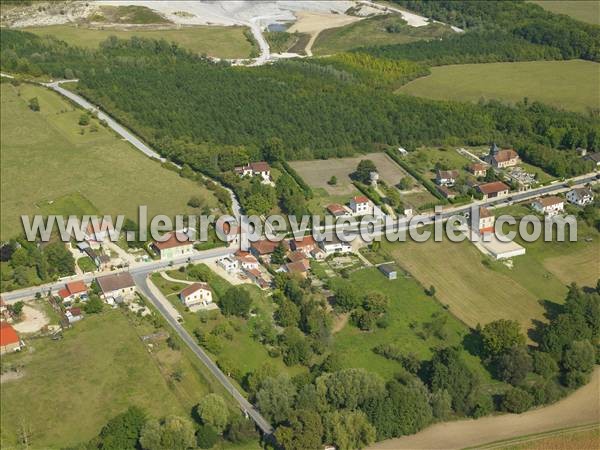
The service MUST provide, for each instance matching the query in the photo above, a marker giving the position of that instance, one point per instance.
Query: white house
(335, 245)
(74, 315)
(360, 205)
(197, 294)
(550, 206)
(446, 177)
(228, 263)
(486, 221)
(580, 196)
(117, 286)
(246, 261)
(97, 231)
(173, 245)
(260, 168)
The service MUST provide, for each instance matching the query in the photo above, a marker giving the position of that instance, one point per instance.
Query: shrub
(517, 400)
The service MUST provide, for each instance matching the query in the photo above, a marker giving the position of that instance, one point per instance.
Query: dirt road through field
(581, 407)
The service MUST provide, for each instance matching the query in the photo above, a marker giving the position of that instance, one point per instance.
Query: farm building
(389, 271)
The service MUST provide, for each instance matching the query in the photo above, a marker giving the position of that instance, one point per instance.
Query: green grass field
(217, 41)
(243, 352)
(47, 166)
(473, 292)
(572, 85)
(409, 309)
(548, 267)
(584, 10)
(374, 31)
(71, 387)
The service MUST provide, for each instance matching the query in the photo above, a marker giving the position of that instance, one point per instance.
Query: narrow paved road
(125, 133)
(140, 268)
(143, 284)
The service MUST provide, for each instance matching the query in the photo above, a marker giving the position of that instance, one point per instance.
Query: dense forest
(216, 116)
(467, 48)
(573, 38)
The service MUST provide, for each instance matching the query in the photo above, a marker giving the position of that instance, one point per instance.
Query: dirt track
(581, 407)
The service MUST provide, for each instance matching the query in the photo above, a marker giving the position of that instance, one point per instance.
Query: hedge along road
(580, 408)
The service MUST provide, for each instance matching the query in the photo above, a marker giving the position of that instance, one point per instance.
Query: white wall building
(197, 294)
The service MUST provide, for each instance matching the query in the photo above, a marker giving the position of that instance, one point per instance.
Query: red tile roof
(505, 155)
(493, 187)
(76, 287)
(8, 335)
(336, 209)
(306, 241)
(173, 240)
(549, 201)
(301, 266)
(75, 311)
(193, 288)
(484, 212)
(264, 247)
(476, 167)
(260, 166)
(296, 256)
(360, 199)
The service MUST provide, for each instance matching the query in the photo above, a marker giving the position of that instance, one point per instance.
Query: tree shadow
(473, 343)
(537, 331)
(553, 309)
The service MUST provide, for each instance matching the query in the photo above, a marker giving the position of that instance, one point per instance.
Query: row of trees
(34, 263)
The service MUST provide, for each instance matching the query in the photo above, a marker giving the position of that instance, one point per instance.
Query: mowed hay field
(572, 85)
(47, 166)
(584, 10)
(217, 41)
(473, 292)
(72, 387)
(318, 172)
(582, 267)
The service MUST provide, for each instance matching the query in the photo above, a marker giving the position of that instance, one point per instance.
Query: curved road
(125, 133)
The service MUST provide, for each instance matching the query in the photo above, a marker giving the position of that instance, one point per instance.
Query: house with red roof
(173, 245)
(493, 189)
(304, 245)
(254, 169)
(73, 291)
(9, 339)
(74, 315)
(337, 210)
(97, 231)
(300, 267)
(196, 295)
(478, 169)
(360, 205)
(486, 221)
(246, 260)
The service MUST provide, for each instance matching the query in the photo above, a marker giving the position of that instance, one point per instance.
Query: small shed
(389, 270)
